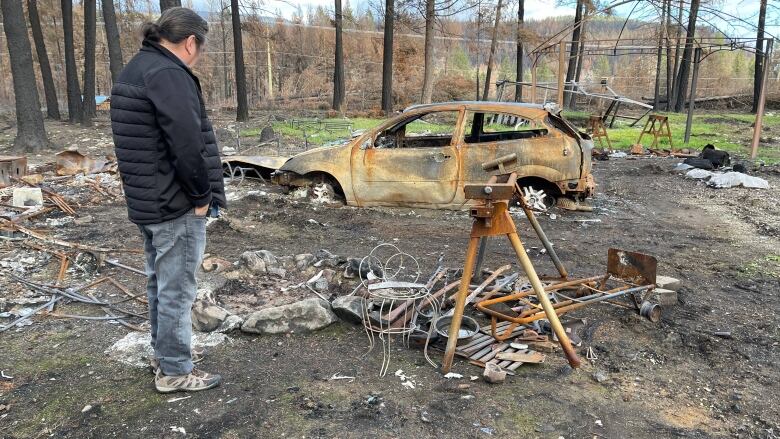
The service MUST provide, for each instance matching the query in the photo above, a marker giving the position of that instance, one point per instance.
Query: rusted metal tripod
(492, 218)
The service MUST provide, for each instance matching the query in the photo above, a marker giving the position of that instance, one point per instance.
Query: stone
(328, 259)
(352, 269)
(600, 376)
(665, 297)
(267, 134)
(231, 323)
(86, 219)
(667, 282)
(304, 260)
(321, 284)
(135, 348)
(207, 317)
(303, 316)
(253, 262)
(349, 308)
(637, 149)
(493, 373)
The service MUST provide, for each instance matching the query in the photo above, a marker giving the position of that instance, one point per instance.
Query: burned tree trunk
(88, 109)
(387, 59)
(573, 52)
(71, 74)
(166, 4)
(493, 43)
(430, 17)
(242, 109)
(658, 61)
(685, 65)
(30, 131)
(760, 64)
(676, 68)
(115, 62)
(669, 69)
(49, 91)
(338, 70)
(519, 72)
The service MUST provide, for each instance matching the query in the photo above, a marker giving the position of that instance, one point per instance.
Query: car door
(540, 148)
(413, 161)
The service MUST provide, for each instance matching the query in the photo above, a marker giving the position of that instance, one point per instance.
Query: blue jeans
(173, 249)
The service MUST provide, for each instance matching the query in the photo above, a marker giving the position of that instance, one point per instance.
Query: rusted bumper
(581, 188)
(289, 179)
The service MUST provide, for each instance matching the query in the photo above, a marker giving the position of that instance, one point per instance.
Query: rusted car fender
(331, 161)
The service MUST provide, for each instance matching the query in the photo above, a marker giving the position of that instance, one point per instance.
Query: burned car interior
(485, 126)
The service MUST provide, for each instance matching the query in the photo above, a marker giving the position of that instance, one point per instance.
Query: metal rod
(561, 59)
(540, 233)
(692, 99)
(525, 261)
(460, 304)
(761, 101)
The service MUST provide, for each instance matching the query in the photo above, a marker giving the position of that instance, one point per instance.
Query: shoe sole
(161, 389)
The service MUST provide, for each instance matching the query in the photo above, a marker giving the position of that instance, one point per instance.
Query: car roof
(537, 110)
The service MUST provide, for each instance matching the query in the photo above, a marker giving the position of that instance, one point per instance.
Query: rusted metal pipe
(541, 295)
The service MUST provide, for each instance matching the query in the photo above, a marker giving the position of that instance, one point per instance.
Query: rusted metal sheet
(369, 173)
(633, 267)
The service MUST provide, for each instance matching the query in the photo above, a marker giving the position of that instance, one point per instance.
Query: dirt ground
(674, 378)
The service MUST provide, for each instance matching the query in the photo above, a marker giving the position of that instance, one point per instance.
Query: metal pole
(541, 295)
(692, 99)
(561, 62)
(460, 304)
(533, 84)
(761, 101)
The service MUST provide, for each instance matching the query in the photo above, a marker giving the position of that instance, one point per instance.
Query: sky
(746, 10)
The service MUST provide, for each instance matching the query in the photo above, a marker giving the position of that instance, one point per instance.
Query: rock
(349, 308)
(328, 259)
(231, 323)
(352, 269)
(267, 134)
(493, 373)
(86, 219)
(262, 261)
(207, 317)
(665, 297)
(135, 348)
(321, 284)
(303, 316)
(304, 260)
(600, 376)
(215, 264)
(253, 262)
(667, 282)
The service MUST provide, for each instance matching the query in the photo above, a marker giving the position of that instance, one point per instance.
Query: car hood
(312, 153)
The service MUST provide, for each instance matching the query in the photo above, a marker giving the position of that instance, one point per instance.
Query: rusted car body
(392, 165)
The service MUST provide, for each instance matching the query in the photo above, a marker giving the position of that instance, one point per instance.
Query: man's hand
(202, 210)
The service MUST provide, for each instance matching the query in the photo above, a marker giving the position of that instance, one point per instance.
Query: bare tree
(519, 74)
(30, 131)
(430, 18)
(758, 75)
(658, 61)
(338, 70)
(49, 91)
(573, 52)
(115, 62)
(491, 56)
(685, 64)
(669, 67)
(165, 4)
(71, 73)
(676, 68)
(387, 59)
(88, 109)
(242, 109)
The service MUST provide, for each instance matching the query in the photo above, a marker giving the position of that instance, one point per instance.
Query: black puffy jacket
(165, 144)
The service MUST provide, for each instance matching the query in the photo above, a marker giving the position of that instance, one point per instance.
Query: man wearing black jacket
(172, 175)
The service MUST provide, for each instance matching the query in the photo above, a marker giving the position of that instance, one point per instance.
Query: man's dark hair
(176, 24)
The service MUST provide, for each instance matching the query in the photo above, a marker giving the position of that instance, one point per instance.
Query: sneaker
(197, 380)
(198, 354)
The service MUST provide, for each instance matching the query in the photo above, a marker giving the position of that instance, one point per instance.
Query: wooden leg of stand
(525, 261)
(460, 304)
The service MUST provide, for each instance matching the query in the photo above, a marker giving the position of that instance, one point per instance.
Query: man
(172, 175)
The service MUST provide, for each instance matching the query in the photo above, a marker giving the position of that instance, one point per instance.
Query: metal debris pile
(35, 201)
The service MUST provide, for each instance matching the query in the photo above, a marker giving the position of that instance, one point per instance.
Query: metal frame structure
(703, 47)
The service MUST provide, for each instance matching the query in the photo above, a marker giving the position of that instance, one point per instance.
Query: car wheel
(324, 193)
(537, 198)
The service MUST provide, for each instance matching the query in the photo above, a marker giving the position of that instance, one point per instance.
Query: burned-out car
(424, 156)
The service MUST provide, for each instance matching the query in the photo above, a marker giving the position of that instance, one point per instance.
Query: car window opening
(499, 127)
(427, 130)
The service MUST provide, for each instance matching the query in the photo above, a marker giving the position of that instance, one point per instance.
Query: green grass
(730, 132)
(768, 266)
